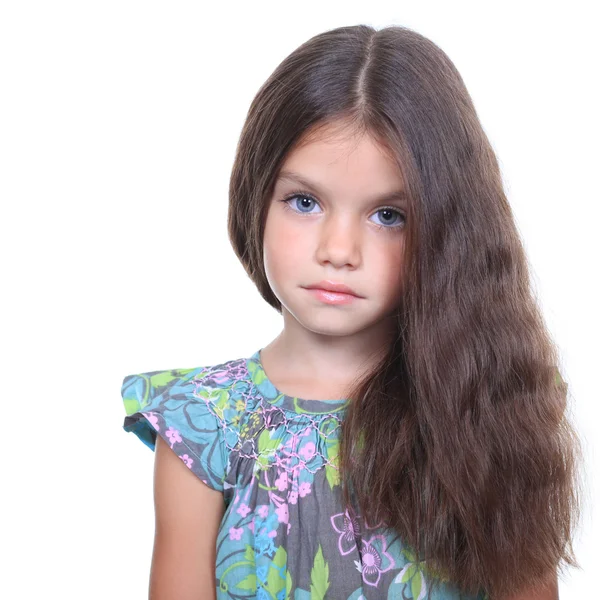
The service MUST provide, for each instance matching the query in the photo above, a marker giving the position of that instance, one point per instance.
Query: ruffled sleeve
(166, 403)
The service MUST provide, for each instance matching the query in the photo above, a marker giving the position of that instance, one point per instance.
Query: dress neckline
(294, 404)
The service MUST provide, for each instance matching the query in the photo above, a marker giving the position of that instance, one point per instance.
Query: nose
(339, 241)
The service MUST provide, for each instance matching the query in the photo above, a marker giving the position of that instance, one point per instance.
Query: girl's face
(337, 213)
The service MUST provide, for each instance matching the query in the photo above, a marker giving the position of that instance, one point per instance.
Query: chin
(329, 320)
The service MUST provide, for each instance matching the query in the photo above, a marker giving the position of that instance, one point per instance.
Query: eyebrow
(398, 196)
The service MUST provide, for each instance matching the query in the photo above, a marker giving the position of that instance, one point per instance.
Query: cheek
(389, 269)
(285, 246)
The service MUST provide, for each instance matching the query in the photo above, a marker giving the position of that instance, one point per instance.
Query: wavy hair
(459, 438)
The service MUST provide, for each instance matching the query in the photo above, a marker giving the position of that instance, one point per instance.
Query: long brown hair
(460, 438)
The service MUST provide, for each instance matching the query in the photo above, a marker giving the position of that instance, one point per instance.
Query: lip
(331, 297)
(333, 286)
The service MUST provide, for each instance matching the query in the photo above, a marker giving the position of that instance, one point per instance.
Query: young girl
(405, 435)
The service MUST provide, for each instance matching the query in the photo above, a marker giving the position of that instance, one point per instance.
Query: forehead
(335, 154)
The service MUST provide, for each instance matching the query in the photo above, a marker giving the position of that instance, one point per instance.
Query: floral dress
(285, 533)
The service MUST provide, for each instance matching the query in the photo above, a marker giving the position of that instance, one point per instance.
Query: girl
(405, 435)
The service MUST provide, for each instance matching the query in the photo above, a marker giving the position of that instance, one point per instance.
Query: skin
(335, 237)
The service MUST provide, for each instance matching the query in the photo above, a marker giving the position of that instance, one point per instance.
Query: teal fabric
(285, 532)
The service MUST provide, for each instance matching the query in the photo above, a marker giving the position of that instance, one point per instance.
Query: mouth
(329, 297)
(333, 287)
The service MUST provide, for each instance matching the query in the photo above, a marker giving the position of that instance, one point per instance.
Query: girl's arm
(188, 514)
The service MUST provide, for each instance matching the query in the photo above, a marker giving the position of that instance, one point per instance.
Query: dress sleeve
(165, 403)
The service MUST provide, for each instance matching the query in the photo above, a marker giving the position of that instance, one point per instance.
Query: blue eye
(303, 197)
(391, 213)
(301, 201)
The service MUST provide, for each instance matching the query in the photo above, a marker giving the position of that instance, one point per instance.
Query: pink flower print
(272, 533)
(243, 510)
(375, 559)
(263, 511)
(307, 451)
(347, 526)
(282, 481)
(293, 497)
(251, 525)
(304, 489)
(282, 513)
(235, 534)
(187, 460)
(173, 436)
(153, 420)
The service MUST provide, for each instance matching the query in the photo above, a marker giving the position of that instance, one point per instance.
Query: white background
(118, 126)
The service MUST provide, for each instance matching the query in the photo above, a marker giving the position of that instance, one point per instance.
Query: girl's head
(360, 113)
(458, 438)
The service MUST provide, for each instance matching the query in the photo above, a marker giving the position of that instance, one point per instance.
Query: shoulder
(195, 410)
(140, 390)
(214, 397)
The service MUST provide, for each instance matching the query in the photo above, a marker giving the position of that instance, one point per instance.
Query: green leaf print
(161, 379)
(249, 554)
(280, 558)
(333, 476)
(331, 472)
(409, 573)
(257, 374)
(288, 585)
(319, 577)
(266, 447)
(416, 584)
(221, 401)
(275, 578)
(248, 584)
(132, 405)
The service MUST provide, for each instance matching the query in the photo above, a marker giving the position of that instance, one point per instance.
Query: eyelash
(391, 229)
